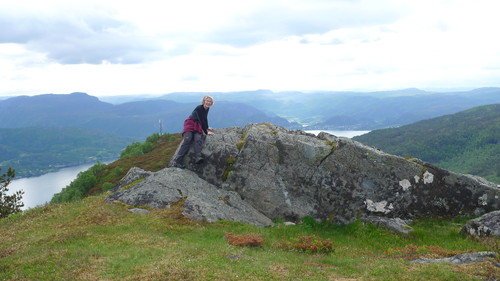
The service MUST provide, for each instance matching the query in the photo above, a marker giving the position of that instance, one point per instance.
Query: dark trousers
(190, 137)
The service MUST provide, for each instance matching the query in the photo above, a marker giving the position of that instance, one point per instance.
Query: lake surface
(347, 134)
(39, 190)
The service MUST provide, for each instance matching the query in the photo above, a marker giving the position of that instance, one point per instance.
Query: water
(347, 134)
(39, 190)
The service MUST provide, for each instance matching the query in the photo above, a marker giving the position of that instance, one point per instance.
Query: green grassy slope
(465, 142)
(94, 240)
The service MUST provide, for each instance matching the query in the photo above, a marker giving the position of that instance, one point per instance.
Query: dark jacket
(200, 114)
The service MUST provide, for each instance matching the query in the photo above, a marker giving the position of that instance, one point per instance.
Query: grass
(94, 240)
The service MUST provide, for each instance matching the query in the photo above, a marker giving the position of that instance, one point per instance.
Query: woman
(195, 126)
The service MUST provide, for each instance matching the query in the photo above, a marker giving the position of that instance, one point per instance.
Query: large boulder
(291, 174)
(202, 201)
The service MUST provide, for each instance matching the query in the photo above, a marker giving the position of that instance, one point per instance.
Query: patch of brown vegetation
(174, 213)
(308, 244)
(410, 252)
(249, 240)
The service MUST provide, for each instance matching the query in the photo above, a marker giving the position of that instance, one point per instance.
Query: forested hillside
(465, 142)
(35, 151)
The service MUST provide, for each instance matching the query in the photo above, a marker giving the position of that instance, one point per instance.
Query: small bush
(134, 149)
(138, 149)
(230, 161)
(153, 138)
(307, 244)
(118, 171)
(309, 222)
(249, 240)
(107, 186)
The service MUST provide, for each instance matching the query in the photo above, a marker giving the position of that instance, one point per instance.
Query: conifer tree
(9, 204)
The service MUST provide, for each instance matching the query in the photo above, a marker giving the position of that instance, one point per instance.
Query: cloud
(150, 46)
(77, 34)
(274, 20)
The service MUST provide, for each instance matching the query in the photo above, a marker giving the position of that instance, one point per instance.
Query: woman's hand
(210, 133)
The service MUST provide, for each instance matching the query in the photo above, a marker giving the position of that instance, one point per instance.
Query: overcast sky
(108, 47)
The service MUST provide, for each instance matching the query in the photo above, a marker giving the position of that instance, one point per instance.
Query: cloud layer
(130, 47)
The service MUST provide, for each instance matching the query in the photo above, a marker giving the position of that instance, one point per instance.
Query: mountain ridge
(328, 110)
(369, 110)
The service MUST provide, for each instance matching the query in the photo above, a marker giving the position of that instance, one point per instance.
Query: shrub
(250, 240)
(307, 244)
(147, 147)
(153, 138)
(134, 149)
(138, 149)
(107, 186)
(118, 171)
(230, 161)
(309, 222)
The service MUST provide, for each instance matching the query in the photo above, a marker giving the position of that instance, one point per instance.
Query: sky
(122, 47)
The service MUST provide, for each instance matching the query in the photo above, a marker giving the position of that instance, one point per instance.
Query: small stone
(139, 211)
(233, 257)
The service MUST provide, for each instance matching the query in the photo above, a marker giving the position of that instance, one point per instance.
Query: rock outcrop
(461, 259)
(395, 224)
(292, 174)
(486, 225)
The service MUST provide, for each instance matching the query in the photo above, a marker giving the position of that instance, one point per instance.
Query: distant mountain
(50, 110)
(137, 119)
(35, 151)
(354, 110)
(465, 142)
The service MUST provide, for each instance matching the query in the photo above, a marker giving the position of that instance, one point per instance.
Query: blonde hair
(206, 98)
